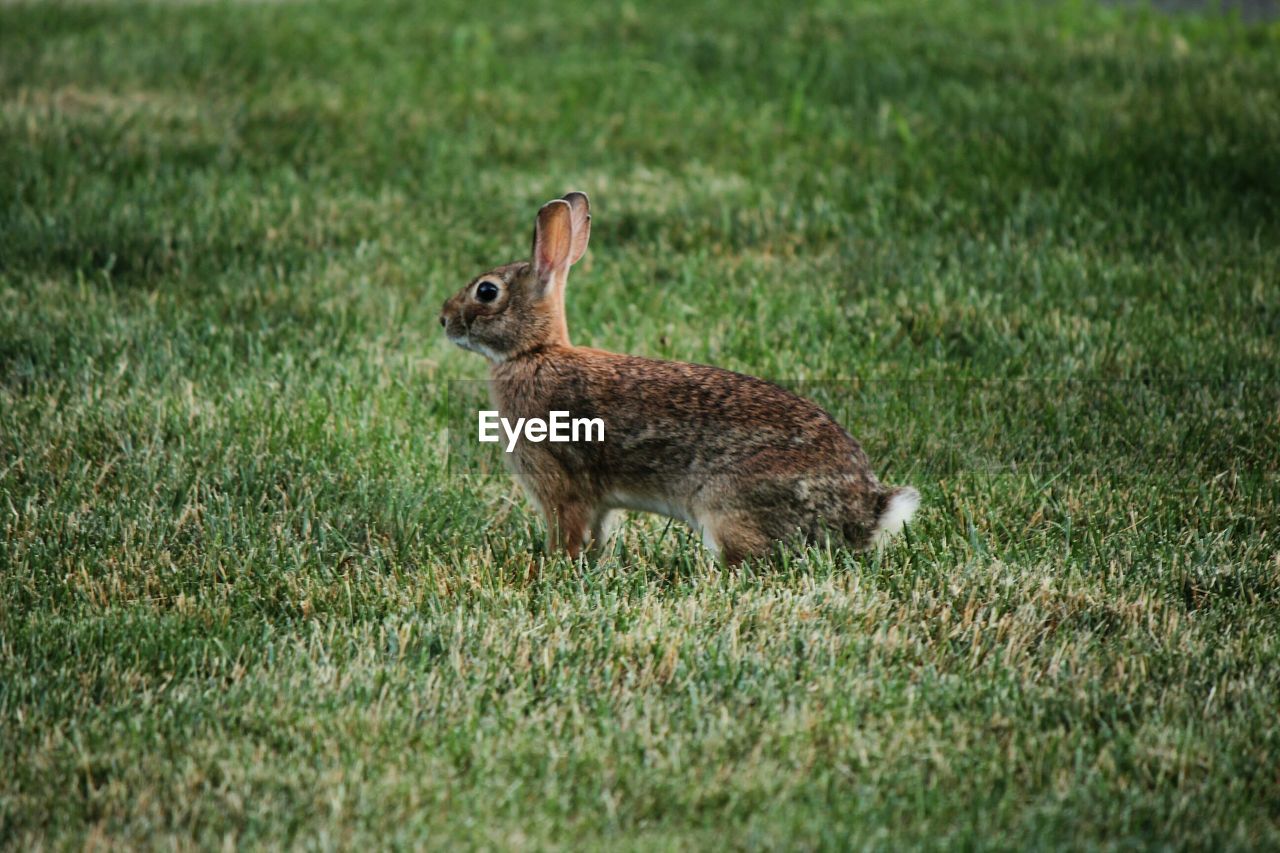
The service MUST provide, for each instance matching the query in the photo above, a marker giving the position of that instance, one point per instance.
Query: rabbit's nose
(443, 322)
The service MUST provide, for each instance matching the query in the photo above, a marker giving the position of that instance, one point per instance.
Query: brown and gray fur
(743, 462)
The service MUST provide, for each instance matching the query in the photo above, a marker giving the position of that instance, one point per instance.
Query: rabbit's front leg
(568, 522)
(567, 526)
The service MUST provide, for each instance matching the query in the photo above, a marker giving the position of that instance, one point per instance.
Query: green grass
(1029, 253)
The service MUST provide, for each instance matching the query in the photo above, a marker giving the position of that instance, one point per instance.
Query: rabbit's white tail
(899, 506)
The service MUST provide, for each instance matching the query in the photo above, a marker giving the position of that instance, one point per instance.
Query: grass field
(1029, 253)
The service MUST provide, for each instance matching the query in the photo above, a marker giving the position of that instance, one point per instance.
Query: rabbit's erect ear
(552, 241)
(580, 214)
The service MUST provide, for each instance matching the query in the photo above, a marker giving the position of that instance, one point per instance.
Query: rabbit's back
(686, 415)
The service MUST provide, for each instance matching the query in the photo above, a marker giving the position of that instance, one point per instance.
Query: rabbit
(746, 464)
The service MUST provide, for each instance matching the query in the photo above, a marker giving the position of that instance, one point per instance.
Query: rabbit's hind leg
(734, 536)
(604, 523)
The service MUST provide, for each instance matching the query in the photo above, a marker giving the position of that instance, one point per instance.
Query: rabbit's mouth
(464, 341)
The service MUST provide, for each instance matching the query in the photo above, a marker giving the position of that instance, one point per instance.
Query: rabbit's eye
(486, 291)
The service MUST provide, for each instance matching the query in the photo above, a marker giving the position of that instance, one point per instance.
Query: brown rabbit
(743, 462)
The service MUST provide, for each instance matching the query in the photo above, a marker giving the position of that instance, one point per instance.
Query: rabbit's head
(519, 307)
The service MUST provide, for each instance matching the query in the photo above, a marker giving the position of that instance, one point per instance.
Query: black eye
(486, 291)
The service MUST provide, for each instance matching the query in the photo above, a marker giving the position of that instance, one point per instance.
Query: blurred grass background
(1029, 253)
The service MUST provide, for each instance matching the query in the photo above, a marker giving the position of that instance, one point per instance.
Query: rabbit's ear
(552, 241)
(580, 213)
